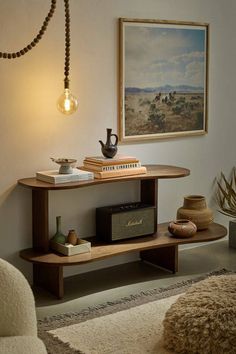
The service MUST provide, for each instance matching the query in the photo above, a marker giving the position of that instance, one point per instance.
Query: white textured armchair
(18, 324)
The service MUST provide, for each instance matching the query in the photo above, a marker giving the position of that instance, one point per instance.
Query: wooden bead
(4, 55)
(1, 54)
(9, 56)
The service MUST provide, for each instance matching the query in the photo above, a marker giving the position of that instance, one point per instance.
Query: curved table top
(153, 172)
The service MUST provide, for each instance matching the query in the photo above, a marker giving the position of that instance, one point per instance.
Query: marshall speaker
(119, 222)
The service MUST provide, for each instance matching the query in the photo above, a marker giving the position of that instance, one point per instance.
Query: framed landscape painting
(163, 79)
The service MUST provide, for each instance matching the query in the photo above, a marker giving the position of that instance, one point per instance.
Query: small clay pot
(72, 237)
(182, 228)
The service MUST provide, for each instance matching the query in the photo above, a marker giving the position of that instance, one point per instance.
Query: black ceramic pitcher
(109, 149)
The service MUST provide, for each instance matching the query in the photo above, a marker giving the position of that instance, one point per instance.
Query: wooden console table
(160, 249)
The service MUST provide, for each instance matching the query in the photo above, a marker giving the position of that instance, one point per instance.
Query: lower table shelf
(160, 249)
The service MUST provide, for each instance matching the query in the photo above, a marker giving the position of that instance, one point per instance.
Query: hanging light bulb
(67, 103)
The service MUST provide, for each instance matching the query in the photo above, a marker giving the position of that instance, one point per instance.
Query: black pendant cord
(67, 44)
(13, 55)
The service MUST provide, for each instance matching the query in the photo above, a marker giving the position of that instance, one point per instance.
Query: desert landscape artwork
(163, 79)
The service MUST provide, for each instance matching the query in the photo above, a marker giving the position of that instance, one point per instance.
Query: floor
(98, 287)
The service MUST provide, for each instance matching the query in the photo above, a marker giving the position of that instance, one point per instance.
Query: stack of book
(118, 166)
(53, 176)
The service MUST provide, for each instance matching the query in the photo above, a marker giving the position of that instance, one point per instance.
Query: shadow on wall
(15, 221)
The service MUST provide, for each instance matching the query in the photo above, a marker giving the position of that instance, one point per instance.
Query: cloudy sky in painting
(157, 55)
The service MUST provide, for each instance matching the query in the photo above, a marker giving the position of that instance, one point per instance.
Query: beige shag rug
(131, 325)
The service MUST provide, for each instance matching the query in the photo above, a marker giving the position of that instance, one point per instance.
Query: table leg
(165, 257)
(49, 278)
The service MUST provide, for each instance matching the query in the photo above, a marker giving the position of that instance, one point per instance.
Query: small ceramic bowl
(66, 165)
(182, 228)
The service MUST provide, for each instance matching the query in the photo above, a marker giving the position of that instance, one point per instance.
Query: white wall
(32, 130)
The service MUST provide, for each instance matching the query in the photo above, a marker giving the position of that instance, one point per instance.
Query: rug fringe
(164, 292)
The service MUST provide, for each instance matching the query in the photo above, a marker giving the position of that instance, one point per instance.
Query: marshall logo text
(134, 222)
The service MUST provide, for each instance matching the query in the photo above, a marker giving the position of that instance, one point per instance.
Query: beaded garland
(31, 45)
(36, 39)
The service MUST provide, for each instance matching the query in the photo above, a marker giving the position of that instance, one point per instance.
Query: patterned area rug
(131, 325)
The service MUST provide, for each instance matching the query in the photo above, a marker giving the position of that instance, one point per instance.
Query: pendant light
(67, 103)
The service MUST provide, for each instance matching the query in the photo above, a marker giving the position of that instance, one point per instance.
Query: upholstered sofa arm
(18, 323)
(22, 345)
(17, 306)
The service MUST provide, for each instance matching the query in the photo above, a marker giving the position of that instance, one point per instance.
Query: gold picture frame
(163, 79)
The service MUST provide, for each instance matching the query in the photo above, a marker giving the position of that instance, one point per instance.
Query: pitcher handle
(116, 141)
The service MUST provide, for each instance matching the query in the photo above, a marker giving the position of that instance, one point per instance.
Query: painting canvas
(163, 79)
